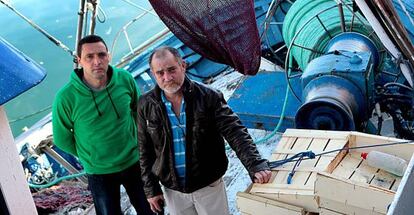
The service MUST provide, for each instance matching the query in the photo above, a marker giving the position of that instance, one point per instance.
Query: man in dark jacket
(181, 125)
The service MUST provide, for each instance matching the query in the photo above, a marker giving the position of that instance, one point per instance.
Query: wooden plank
(319, 162)
(304, 199)
(251, 204)
(325, 211)
(384, 179)
(276, 193)
(364, 173)
(13, 185)
(293, 152)
(333, 145)
(404, 151)
(373, 139)
(347, 167)
(286, 144)
(298, 192)
(278, 188)
(302, 145)
(300, 178)
(347, 193)
(281, 177)
(340, 208)
(307, 202)
(298, 169)
(303, 133)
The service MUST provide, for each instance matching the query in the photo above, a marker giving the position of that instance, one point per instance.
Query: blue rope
(300, 157)
(308, 154)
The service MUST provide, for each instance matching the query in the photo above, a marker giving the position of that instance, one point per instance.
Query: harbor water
(59, 18)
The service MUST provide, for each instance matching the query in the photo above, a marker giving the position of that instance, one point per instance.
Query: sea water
(59, 18)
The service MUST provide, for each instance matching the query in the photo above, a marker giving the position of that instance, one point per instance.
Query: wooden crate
(252, 204)
(354, 187)
(317, 182)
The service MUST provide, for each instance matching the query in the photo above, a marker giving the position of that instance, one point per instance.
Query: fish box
(337, 182)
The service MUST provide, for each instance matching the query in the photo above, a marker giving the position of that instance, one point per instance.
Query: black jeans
(106, 191)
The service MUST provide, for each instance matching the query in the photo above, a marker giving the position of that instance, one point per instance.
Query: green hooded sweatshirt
(98, 127)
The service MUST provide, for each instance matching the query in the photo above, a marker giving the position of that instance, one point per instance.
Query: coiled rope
(306, 16)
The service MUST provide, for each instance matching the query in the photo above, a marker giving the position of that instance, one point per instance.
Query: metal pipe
(143, 47)
(341, 16)
(323, 26)
(129, 42)
(81, 13)
(93, 17)
(141, 8)
(123, 30)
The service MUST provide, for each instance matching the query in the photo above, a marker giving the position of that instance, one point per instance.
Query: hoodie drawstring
(113, 105)
(94, 100)
(110, 98)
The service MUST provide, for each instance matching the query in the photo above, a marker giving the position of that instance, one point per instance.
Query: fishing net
(62, 198)
(223, 31)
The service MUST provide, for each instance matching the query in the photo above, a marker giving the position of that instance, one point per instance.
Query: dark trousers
(105, 189)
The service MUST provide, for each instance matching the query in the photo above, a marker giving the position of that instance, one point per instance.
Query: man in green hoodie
(94, 119)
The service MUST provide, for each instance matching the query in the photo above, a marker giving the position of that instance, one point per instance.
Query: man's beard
(171, 88)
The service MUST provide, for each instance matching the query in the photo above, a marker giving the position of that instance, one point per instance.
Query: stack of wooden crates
(335, 183)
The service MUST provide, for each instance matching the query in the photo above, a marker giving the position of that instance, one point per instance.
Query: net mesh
(223, 31)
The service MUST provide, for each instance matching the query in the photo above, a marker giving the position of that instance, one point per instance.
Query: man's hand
(156, 203)
(262, 176)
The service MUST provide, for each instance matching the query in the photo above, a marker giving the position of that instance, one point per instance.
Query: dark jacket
(209, 119)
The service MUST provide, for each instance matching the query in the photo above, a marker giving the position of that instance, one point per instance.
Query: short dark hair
(161, 51)
(89, 39)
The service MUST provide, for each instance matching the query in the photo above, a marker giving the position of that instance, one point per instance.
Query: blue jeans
(105, 189)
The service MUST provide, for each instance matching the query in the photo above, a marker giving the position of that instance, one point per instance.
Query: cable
(46, 34)
(41, 186)
(282, 116)
(30, 115)
(271, 11)
(398, 85)
(103, 19)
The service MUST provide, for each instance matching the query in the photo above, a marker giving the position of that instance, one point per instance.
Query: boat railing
(136, 50)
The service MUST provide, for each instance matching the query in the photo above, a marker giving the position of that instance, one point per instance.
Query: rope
(282, 116)
(41, 186)
(101, 19)
(304, 14)
(272, 9)
(313, 36)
